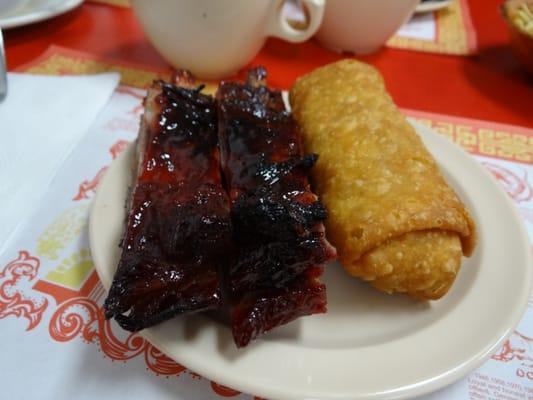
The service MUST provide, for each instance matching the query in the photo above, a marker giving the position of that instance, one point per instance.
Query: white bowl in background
(362, 26)
(9, 6)
(214, 39)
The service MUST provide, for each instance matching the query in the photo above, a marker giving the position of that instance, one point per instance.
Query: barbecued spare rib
(178, 222)
(277, 221)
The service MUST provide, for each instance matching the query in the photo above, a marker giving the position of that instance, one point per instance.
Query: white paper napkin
(41, 121)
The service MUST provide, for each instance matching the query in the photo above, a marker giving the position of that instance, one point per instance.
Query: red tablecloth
(487, 86)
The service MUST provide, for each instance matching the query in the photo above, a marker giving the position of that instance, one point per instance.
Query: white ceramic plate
(369, 345)
(31, 11)
(430, 6)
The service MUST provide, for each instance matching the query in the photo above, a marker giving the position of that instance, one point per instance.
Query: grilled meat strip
(277, 220)
(178, 220)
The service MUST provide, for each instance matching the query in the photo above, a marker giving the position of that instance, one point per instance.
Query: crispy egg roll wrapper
(392, 216)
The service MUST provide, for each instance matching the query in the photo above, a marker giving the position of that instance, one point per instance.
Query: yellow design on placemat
(58, 64)
(478, 137)
(505, 145)
(118, 3)
(67, 226)
(500, 143)
(451, 35)
(73, 270)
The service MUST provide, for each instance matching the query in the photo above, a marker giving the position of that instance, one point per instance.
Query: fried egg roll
(393, 218)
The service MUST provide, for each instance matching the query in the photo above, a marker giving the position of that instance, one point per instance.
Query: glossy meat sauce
(182, 244)
(277, 220)
(178, 224)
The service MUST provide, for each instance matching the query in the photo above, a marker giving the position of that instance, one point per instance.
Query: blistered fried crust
(378, 181)
(422, 264)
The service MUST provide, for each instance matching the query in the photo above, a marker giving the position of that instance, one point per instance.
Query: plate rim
(432, 6)
(39, 14)
(420, 388)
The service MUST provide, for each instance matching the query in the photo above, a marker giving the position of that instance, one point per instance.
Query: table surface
(489, 85)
